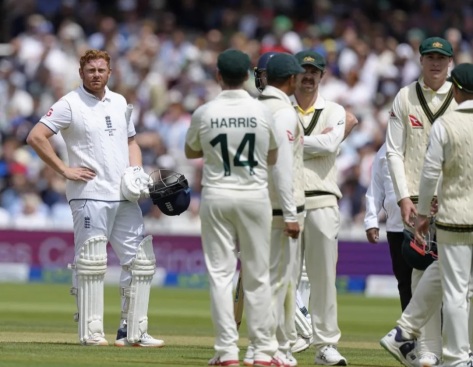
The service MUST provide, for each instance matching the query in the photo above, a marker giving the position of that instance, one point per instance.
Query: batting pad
(90, 268)
(142, 270)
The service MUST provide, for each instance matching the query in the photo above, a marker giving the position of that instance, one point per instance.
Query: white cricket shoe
(301, 344)
(290, 360)
(216, 361)
(400, 348)
(328, 355)
(278, 360)
(96, 339)
(249, 358)
(429, 360)
(146, 341)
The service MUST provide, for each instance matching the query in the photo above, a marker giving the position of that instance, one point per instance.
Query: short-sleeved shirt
(235, 133)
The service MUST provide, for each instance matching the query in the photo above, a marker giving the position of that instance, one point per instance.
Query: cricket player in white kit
(287, 198)
(99, 136)
(234, 135)
(450, 154)
(301, 316)
(415, 110)
(323, 123)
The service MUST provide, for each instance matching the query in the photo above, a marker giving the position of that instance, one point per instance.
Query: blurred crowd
(163, 62)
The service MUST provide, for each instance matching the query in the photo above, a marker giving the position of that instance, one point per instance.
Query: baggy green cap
(436, 45)
(283, 65)
(311, 58)
(462, 77)
(233, 63)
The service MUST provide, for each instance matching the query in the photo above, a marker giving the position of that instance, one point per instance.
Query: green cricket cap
(311, 58)
(462, 77)
(436, 45)
(233, 63)
(283, 65)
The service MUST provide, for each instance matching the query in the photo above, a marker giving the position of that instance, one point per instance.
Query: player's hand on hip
(79, 174)
(292, 229)
(372, 235)
(408, 211)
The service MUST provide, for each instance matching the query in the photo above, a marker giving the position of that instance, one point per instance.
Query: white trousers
(121, 222)
(228, 217)
(422, 316)
(320, 245)
(284, 273)
(455, 273)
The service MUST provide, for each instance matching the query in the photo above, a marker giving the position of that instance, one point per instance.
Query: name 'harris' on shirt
(233, 122)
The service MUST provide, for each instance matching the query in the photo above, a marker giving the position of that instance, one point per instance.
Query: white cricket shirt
(96, 134)
(235, 133)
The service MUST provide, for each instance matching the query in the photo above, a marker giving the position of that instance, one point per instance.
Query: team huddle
(270, 199)
(270, 194)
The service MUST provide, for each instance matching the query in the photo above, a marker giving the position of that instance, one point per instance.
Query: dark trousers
(402, 271)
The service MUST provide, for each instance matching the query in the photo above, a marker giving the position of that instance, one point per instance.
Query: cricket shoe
(301, 344)
(428, 360)
(400, 348)
(146, 340)
(328, 355)
(96, 339)
(249, 358)
(290, 360)
(278, 360)
(216, 361)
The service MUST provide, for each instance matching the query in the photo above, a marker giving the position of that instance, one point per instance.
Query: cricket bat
(238, 301)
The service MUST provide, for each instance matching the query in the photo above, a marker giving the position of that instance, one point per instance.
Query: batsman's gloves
(135, 183)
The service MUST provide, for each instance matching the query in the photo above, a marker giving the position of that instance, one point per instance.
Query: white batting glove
(135, 183)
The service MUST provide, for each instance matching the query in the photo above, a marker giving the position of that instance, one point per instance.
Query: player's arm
(272, 157)
(193, 154)
(38, 138)
(273, 150)
(431, 172)
(432, 167)
(329, 141)
(374, 199)
(395, 148)
(350, 122)
(193, 148)
(134, 152)
(285, 125)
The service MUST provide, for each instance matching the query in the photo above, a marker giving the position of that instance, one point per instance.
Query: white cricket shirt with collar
(96, 133)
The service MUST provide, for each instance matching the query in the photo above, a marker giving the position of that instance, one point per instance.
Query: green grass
(37, 329)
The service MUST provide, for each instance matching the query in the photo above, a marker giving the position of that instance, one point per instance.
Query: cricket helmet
(169, 191)
(417, 255)
(260, 79)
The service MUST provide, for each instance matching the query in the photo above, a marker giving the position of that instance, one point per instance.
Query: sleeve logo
(415, 123)
(290, 136)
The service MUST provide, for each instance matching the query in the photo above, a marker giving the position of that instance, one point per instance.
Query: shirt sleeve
(395, 147)
(325, 144)
(193, 136)
(285, 125)
(375, 194)
(58, 117)
(432, 168)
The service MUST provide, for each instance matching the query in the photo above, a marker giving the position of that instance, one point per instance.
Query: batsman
(104, 182)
